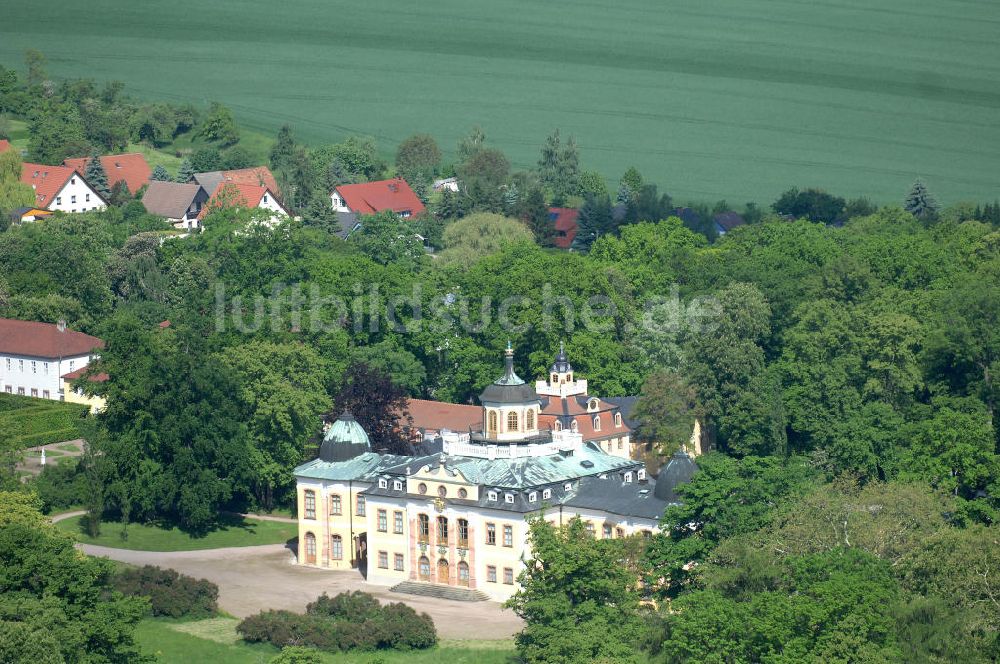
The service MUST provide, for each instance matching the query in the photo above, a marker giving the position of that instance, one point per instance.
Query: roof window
(493, 495)
(508, 498)
(382, 483)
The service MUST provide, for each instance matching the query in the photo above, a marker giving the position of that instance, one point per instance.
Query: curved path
(255, 578)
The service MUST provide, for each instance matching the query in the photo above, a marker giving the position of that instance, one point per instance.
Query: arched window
(443, 572)
(423, 528)
(442, 530)
(310, 549)
(336, 547)
(491, 419)
(618, 419)
(554, 378)
(592, 405)
(573, 427)
(558, 425)
(511, 421)
(336, 509)
(310, 504)
(597, 422)
(529, 419)
(463, 533)
(424, 568)
(463, 574)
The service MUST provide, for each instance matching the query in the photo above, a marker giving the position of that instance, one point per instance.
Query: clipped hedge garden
(346, 622)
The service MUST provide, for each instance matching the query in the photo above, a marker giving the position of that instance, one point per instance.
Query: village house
(35, 357)
(180, 204)
(130, 169)
(727, 221)
(257, 176)
(73, 394)
(453, 522)
(373, 197)
(565, 222)
(245, 196)
(60, 189)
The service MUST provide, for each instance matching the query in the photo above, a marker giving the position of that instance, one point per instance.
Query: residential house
(727, 221)
(178, 203)
(34, 357)
(457, 518)
(258, 176)
(61, 189)
(565, 221)
(73, 394)
(28, 214)
(374, 197)
(245, 196)
(130, 169)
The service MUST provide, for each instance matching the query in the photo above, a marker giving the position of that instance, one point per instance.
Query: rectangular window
(463, 533)
(491, 533)
(9, 389)
(58, 200)
(590, 529)
(87, 197)
(442, 528)
(383, 521)
(335, 506)
(34, 367)
(508, 535)
(45, 394)
(491, 573)
(508, 576)
(20, 391)
(397, 523)
(20, 366)
(383, 560)
(338, 547)
(423, 528)
(72, 199)
(310, 498)
(361, 506)
(45, 368)
(397, 562)
(34, 392)
(607, 531)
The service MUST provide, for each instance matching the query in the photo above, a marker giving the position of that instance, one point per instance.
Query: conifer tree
(96, 177)
(920, 203)
(160, 174)
(186, 171)
(594, 221)
(535, 215)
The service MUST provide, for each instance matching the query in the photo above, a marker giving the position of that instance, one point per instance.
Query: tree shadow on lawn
(225, 521)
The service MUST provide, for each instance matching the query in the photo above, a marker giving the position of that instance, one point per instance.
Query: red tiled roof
(372, 197)
(258, 176)
(437, 415)
(4, 145)
(22, 337)
(99, 377)
(566, 225)
(131, 167)
(230, 194)
(571, 407)
(46, 180)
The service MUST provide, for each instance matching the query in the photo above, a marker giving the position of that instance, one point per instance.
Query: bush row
(349, 621)
(170, 593)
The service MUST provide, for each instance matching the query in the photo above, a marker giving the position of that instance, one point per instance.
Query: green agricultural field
(141, 537)
(215, 640)
(735, 99)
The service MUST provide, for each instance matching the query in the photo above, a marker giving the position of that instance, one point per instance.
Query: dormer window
(546, 494)
(567, 486)
(618, 419)
(397, 485)
(558, 425)
(641, 474)
(493, 496)
(597, 423)
(382, 483)
(573, 427)
(508, 498)
(592, 404)
(532, 497)
(628, 478)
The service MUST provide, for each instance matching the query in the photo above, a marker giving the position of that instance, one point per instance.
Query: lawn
(215, 640)
(234, 532)
(31, 422)
(735, 99)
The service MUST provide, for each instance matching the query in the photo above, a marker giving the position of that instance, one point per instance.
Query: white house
(180, 204)
(234, 195)
(61, 189)
(35, 356)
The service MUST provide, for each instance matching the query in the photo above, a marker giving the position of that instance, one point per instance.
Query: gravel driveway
(253, 578)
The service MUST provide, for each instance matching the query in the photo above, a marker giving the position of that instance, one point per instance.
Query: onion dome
(509, 388)
(561, 365)
(344, 440)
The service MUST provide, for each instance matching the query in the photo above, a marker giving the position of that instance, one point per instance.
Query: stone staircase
(440, 592)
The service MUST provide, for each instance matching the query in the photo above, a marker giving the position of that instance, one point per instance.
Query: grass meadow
(235, 531)
(215, 640)
(734, 99)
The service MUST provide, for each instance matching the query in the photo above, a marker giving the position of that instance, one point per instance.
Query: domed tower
(560, 381)
(344, 440)
(510, 406)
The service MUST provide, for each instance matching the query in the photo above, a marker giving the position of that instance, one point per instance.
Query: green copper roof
(345, 440)
(362, 467)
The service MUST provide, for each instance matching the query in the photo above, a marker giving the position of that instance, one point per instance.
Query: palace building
(457, 517)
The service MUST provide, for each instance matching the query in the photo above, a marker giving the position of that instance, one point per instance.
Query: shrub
(346, 622)
(296, 655)
(170, 593)
(60, 485)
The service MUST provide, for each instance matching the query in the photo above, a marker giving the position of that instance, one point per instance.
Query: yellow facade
(70, 395)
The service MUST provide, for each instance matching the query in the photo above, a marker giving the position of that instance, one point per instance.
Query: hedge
(346, 622)
(170, 593)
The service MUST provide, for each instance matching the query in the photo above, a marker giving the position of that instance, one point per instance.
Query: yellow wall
(70, 396)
